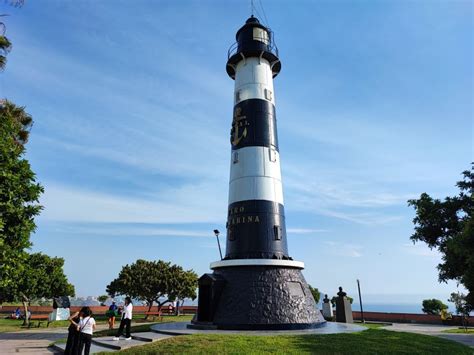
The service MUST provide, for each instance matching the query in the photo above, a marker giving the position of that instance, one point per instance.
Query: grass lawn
(372, 325)
(371, 341)
(460, 331)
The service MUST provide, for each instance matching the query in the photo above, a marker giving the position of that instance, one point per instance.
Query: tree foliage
(154, 281)
(19, 192)
(41, 276)
(5, 47)
(448, 226)
(315, 292)
(433, 306)
(334, 299)
(102, 299)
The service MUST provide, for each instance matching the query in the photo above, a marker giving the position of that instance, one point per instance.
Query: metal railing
(271, 47)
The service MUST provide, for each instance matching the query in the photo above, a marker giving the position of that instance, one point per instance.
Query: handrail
(234, 48)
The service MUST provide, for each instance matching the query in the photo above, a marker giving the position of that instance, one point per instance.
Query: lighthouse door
(204, 306)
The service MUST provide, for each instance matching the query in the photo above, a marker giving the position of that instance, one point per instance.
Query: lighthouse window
(277, 232)
(273, 155)
(237, 96)
(261, 35)
(268, 94)
(235, 157)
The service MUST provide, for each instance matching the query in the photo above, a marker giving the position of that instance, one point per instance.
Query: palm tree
(19, 118)
(5, 47)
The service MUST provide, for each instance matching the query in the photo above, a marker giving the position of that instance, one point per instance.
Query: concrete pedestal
(260, 297)
(59, 314)
(343, 311)
(327, 310)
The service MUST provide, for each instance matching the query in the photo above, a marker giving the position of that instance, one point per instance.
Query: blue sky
(132, 109)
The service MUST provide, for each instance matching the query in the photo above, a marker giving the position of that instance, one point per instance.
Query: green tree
(19, 193)
(42, 276)
(183, 285)
(463, 308)
(5, 47)
(448, 226)
(433, 306)
(152, 281)
(102, 299)
(316, 294)
(334, 299)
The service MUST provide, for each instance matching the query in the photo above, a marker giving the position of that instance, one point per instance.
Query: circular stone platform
(180, 328)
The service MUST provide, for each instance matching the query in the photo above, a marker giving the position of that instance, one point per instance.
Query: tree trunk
(26, 321)
(161, 304)
(150, 304)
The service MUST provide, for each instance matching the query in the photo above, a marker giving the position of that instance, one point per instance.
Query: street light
(360, 302)
(216, 232)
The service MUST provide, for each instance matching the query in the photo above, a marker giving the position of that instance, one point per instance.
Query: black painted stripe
(256, 230)
(254, 124)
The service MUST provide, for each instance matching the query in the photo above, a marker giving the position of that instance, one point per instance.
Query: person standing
(126, 320)
(112, 313)
(72, 343)
(86, 327)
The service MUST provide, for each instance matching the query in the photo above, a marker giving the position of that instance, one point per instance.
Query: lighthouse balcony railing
(270, 47)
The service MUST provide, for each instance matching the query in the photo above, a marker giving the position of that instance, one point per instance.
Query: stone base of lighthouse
(257, 297)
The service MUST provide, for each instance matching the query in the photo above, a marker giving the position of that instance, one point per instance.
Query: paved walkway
(434, 330)
(34, 341)
(30, 341)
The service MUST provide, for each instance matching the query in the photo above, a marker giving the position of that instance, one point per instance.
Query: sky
(132, 109)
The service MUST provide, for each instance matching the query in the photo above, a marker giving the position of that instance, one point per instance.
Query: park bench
(155, 314)
(40, 318)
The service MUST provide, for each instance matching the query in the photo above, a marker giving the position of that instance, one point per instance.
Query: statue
(341, 293)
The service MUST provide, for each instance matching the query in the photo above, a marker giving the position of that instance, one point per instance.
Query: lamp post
(216, 232)
(360, 302)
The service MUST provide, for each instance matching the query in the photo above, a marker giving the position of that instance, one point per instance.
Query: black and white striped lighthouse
(257, 285)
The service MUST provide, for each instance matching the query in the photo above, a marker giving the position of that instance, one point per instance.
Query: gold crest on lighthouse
(239, 127)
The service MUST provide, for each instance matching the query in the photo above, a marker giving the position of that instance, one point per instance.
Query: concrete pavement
(434, 330)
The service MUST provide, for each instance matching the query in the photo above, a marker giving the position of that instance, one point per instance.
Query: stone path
(434, 330)
(30, 341)
(106, 344)
(37, 341)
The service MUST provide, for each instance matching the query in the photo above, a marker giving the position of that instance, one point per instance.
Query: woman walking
(126, 320)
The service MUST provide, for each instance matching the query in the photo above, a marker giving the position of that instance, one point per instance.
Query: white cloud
(188, 204)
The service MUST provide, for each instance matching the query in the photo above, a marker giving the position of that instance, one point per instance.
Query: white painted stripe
(253, 77)
(255, 161)
(256, 188)
(257, 262)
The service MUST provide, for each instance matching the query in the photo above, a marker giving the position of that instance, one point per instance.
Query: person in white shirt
(86, 327)
(126, 320)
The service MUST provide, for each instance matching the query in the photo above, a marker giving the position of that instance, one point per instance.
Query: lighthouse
(257, 285)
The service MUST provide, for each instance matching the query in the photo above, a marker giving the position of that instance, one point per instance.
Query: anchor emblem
(238, 122)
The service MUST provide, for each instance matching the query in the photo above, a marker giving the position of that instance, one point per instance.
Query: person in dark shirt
(112, 313)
